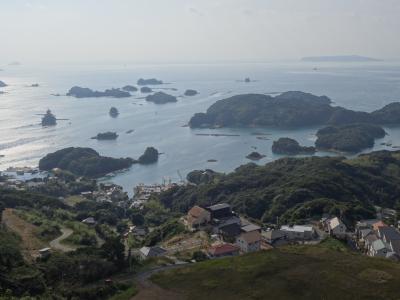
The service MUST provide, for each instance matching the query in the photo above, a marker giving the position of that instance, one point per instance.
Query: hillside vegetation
(299, 189)
(348, 138)
(326, 271)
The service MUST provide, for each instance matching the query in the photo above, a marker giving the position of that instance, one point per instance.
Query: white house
(378, 248)
(298, 232)
(337, 228)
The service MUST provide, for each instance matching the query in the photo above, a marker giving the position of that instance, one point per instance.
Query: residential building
(378, 249)
(378, 224)
(223, 250)
(273, 236)
(249, 241)
(220, 211)
(147, 252)
(197, 217)
(298, 232)
(337, 228)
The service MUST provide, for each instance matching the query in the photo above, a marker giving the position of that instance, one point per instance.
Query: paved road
(150, 291)
(56, 243)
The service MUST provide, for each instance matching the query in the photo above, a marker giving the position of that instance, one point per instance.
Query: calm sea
(23, 140)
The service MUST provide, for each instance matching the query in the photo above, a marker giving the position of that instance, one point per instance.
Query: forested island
(290, 146)
(149, 156)
(145, 90)
(151, 81)
(161, 98)
(113, 112)
(130, 88)
(191, 93)
(80, 92)
(255, 156)
(299, 189)
(83, 162)
(106, 136)
(348, 138)
(287, 110)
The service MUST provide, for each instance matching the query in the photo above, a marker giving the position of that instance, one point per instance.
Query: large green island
(287, 110)
(83, 162)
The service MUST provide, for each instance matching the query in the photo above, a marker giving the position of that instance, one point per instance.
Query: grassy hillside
(326, 271)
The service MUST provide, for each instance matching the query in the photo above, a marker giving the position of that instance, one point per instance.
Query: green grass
(74, 200)
(126, 294)
(326, 271)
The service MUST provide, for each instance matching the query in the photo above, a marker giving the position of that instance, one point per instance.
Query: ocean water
(23, 141)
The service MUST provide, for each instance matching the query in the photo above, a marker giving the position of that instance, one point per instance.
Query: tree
(114, 250)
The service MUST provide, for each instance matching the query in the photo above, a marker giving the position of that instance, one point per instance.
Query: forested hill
(289, 109)
(296, 189)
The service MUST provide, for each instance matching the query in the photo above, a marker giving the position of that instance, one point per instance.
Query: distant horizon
(4, 64)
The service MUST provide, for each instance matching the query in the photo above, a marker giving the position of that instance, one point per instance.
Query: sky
(196, 30)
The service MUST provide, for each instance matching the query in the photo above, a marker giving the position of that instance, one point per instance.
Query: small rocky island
(149, 156)
(349, 138)
(80, 92)
(34, 85)
(151, 81)
(2, 84)
(49, 119)
(83, 162)
(191, 92)
(287, 110)
(130, 88)
(161, 98)
(145, 90)
(255, 156)
(288, 146)
(106, 136)
(113, 112)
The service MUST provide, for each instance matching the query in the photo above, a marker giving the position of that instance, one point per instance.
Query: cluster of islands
(343, 130)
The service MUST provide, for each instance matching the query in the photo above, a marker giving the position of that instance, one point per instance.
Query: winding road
(56, 243)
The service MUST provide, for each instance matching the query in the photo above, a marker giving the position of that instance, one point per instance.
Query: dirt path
(56, 243)
(30, 245)
(150, 291)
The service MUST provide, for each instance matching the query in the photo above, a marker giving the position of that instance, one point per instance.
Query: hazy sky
(196, 30)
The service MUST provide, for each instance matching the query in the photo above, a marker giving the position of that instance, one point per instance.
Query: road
(150, 291)
(56, 243)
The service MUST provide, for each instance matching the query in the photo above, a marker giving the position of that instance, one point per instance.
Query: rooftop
(250, 227)
(297, 228)
(219, 206)
(196, 211)
(223, 249)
